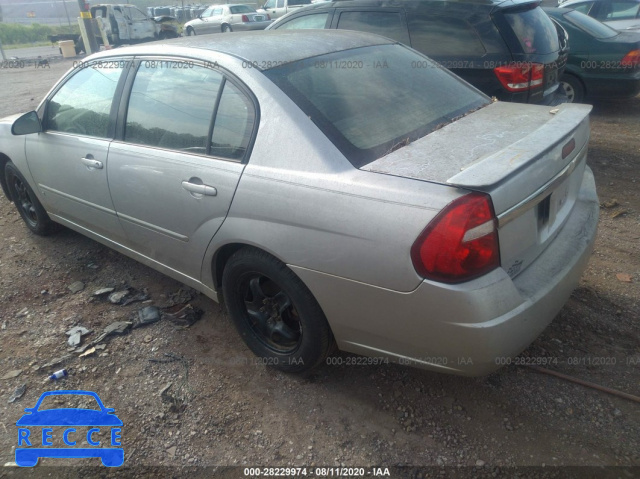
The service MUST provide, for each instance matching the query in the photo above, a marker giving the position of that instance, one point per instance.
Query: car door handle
(91, 163)
(199, 189)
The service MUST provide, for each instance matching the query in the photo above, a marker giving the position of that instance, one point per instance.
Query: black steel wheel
(190, 32)
(274, 312)
(31, 210)
(226, 28)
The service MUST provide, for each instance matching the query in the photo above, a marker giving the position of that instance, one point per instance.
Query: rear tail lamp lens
(631, 59)
(520, 77)
(460, 243)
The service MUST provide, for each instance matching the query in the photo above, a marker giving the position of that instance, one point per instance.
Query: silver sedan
(334, 188)
(227, 18)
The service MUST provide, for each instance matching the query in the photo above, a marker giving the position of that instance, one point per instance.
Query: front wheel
(274, 312)
(573, 88)
(190, 32)
(31, 210)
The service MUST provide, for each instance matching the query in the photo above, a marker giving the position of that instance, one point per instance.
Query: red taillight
(520, 77)
(460, 243)
(245, 18)
(631, 59)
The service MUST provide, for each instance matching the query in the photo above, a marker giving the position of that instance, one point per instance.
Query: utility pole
(64, 2)
(86, 28)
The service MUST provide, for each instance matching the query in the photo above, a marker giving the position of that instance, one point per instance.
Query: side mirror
(26, 124)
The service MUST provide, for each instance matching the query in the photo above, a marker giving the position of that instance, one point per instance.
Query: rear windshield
(590, 25)
(241, 9)
(534, 30)
(370, 101)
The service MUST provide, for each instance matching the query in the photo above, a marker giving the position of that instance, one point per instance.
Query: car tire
(573, 88)
(191, 32)
(226, 28)
(274, 312)
(162, 36)
(27, 203)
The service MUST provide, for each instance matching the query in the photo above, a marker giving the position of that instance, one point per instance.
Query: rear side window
(438, 35)
(83, 104)
(172, 108)
(233, 125)
(370, 101)
(295, 3)
(534, 30)
(317, 20)
(387, 24)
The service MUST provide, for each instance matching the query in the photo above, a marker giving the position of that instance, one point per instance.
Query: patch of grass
(14, 35)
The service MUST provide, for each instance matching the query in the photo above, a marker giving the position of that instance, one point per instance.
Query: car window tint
(299, 2)
(233, 124)
(388, 24)
(583, 7)
(241, 9)
(308, 21)
(207, 13)
(534, 30)
(83, 104)
(590, 25)
(369, 101)
(438, 35)
(270, 4)
(280, 3)
(623, 10)
(171, 105)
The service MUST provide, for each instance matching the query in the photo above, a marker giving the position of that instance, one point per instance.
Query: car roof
(401, 3)
(260, 47)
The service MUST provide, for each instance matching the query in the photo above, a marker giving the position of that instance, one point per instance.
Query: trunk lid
(529, 159)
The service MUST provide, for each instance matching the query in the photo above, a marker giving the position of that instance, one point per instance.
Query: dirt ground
(225, 409)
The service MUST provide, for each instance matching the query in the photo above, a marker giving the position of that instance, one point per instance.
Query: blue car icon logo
(32, 445)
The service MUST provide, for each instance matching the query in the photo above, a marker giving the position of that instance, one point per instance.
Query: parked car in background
(508, 50)
(227, 18)
(618, 14)
(124, 24)
(278, 8)
(603, 62)
(325, 186)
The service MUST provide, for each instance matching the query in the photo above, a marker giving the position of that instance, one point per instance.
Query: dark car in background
(510, 50)
(603, 62)
(619, 14)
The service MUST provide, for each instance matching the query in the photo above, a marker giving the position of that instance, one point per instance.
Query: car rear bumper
(471, 328)
(621, 85)
(247, 26)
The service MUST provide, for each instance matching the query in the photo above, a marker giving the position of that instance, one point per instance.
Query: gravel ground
(223, 408)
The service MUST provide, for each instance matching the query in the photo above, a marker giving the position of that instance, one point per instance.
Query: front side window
(280, 4)
(217, 12)
(83, 104)
(270, 4)
(207, 13)
(172, 107)
(137, 15)
(370, 101)
(318, 20)
(387, 24)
